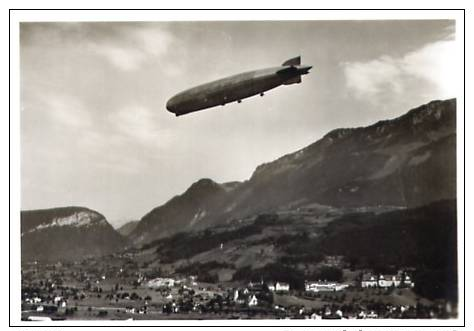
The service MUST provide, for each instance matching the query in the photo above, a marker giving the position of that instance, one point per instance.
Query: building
(245, 297)
(49, 309)
(130, 310)
(315, 316)
(161, 282)
(389, 281)
(386, 281)
(33, 300)
(253, 301)
(241, 296)
(271, 287)
(320, 286)
(282, 287)
(407, 282)
(372, 315)
(278, 287)
(369, 281)
(254, 294)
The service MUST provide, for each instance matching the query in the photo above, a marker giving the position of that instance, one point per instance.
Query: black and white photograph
(241, 169)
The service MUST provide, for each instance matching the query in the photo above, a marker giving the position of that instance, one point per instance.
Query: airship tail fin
(296, 61)
(294, 80)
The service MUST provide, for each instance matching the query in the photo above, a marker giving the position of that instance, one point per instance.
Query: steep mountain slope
(68, 233)
(127, 228)
(406, 162)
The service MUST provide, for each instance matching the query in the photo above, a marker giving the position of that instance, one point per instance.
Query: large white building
(161, 282)
(385, 281)
(278, 287)
(320, 286)
(282, 287)
(390, 280)
(369, 280)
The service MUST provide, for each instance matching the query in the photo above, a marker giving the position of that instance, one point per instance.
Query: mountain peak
(432, 112)
(204, 182)
(203, 186)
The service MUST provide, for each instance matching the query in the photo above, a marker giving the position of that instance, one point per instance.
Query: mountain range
(404, 162)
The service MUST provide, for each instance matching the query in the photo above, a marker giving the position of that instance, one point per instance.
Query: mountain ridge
(407, 161)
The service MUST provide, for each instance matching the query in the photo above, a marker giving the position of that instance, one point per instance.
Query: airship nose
(171, 105)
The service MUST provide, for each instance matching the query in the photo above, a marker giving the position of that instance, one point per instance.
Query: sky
(95, 131)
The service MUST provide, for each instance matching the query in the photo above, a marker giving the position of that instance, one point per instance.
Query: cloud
(121, 57)
(126, 46)
(67, 111)
(431, 67)
(120, 163)
(132, 47)
(369, 78)
(439, 63)
(139, 124)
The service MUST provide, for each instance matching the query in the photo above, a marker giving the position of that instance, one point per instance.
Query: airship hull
(234, 88)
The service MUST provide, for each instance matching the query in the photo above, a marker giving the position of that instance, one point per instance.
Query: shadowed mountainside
(127, 228)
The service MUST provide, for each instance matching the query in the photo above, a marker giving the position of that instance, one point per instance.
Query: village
(93, 290)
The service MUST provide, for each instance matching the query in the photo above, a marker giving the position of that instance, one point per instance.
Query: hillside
(68, 233)
(294, 246)
(127, 228)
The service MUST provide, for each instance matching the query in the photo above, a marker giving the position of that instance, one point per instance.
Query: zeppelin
(237, 87)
